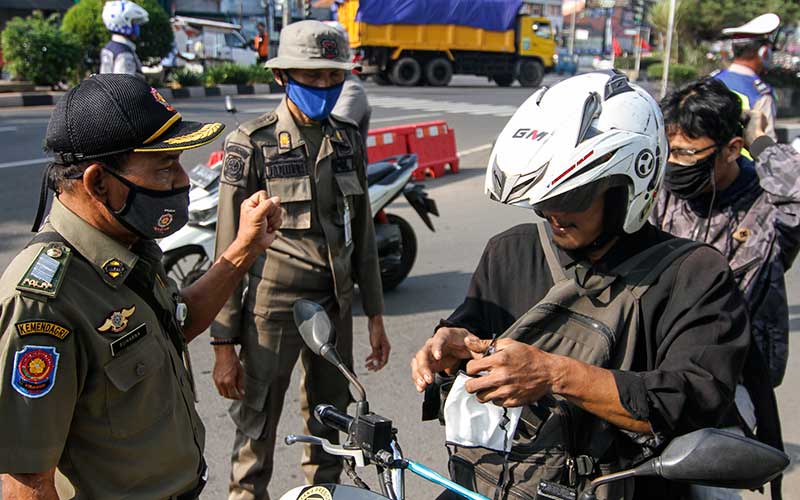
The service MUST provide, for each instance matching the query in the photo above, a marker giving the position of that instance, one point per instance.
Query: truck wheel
(439, 72)
(406, 72)
(381, 79)
(503, 80)
(530, 73)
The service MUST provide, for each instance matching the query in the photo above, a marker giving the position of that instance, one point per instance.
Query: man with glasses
(746, 209)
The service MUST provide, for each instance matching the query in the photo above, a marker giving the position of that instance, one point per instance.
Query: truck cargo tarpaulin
(494, 15)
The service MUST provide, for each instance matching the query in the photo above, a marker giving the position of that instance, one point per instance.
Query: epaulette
(47, 271)
(344, 120)
(262, 121)
(762, 87)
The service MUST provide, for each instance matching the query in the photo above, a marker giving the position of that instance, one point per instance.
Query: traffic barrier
(214, 158)
(435, 146)
(434, 143)
(385, 142)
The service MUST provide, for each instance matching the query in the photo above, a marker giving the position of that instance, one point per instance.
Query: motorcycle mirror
(314, 325)
(710, 457)
(230, 106)
(318, 334)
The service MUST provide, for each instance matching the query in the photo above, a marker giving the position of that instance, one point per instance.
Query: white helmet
(567, 144)
(123, 17)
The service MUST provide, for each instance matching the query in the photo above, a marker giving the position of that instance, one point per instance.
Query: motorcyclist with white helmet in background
(123, 19)
(614, 337)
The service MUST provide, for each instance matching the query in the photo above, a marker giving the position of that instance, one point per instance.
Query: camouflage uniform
(759, 233)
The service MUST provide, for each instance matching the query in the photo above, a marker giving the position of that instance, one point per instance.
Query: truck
(428, 41)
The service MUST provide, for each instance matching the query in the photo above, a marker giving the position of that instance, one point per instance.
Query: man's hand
(228, 372)
(379, 342)
(259, 218)
(442, 352)
(756, 126)
(519, 374)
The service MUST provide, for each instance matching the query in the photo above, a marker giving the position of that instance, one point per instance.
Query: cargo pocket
(349, 187)
(140, 393)
(249, 414)
(295, 194)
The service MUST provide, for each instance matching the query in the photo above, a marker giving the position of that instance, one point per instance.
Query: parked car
(212, 41)
(566, 63)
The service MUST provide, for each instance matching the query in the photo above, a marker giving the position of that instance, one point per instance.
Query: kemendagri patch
(34, 373)
(42, 327)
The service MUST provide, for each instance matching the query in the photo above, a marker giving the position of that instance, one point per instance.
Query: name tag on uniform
(348, 227)
(128, 339)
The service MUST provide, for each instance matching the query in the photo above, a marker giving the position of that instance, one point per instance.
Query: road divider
(24, 163)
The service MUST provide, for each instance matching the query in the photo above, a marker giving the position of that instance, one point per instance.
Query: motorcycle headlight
(201, 217)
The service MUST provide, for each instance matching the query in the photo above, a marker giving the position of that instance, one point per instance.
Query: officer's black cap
(110, 114)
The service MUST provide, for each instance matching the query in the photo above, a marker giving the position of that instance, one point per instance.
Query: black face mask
(687, 182)
(151, 213)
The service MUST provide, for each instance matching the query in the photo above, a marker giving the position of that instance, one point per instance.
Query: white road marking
(8, 129)
(403, 117)
(476, 149)
(441, 106)
(24, 163)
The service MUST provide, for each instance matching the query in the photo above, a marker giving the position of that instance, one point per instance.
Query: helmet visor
(580, 198)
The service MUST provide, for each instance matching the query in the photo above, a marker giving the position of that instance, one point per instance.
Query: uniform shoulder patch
(46, 273)
(34, 371)
(762, 87)
(262, 121)
(42, 327)
(235, 163)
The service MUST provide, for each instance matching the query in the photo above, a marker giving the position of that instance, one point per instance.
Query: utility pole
(668, 48)
(287, 13)
(572, 27)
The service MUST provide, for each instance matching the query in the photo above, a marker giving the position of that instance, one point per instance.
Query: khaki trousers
(269, 354)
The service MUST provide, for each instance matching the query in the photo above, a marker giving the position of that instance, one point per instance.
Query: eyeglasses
(688, 157)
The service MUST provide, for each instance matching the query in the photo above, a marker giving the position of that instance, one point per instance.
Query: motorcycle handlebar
(332, 417)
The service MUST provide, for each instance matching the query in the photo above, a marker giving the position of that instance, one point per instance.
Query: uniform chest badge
(284, 141)
(35, 370)
(117, 321)
(114, 268)
(316, 493)
(742, 234)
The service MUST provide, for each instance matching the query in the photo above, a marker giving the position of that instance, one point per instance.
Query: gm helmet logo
(645, 162)
(526, 133)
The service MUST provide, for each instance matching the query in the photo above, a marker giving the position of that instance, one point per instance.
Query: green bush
(628, 62)
(678, 73)
(187, 78)
(84, 19)
(228, 74)
(34, 49)
(260, 74)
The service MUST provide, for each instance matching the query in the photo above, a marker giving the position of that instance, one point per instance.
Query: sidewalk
(49, 98)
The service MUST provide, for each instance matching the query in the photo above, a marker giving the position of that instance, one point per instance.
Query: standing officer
(316, 163)
(92, 332)
(123, 19)
(752, 51)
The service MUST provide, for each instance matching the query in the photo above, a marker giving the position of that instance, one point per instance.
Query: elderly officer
(752, 51)
(92, 332)
(316, 163)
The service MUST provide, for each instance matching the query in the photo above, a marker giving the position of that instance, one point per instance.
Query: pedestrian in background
(315, 162)
(93, 333)
(261, 42)
(123, 19)
(752, 51)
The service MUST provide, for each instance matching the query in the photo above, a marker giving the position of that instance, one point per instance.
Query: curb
(20, 99)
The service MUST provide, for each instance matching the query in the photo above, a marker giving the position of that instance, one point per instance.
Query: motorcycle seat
(376, 172)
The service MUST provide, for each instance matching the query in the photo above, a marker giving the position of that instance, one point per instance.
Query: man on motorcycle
(123, 19)
(617, 336)
(316, 163)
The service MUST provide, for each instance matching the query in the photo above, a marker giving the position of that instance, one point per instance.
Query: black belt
(194, 493)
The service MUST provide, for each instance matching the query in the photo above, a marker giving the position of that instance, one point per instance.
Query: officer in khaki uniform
(315, 163)
(93, 333)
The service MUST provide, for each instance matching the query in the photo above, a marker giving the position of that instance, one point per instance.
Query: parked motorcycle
(710, 457)
(189, 252)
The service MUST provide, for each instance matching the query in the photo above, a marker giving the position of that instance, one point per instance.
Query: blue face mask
(316, 103)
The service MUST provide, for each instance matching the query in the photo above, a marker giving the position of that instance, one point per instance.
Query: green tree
(658, 18)
(84, 19)
(709, 17)
(35, 49)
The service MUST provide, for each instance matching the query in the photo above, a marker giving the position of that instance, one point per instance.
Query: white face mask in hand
(470, 423)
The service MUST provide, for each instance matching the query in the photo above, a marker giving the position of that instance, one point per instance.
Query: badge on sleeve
(34, 373)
